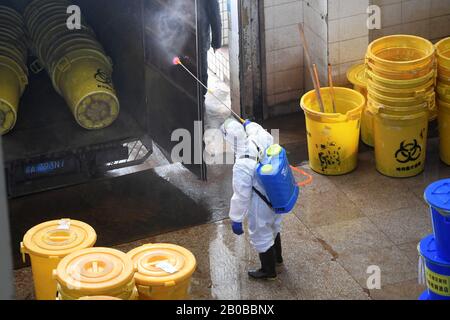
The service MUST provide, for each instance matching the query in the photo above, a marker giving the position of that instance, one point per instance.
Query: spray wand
(177, 61)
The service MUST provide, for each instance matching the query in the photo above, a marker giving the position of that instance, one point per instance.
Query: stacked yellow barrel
(443, 90)
(401, 96)
(47, 244)
(13, 69)
(76, 62)
(67, 266)
(96, 272)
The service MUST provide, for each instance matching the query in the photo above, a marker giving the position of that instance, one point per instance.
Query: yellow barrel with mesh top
(47, 244)
(163, 271)
(401, 57)
(96, 272)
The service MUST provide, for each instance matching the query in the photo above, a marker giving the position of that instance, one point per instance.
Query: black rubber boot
(268, 263)
(278, 249)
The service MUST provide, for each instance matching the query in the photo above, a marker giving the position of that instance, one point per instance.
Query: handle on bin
(170, 284)
(147, 289)
(431, 98)
(36, 66)
(63, 64)
(23, 251)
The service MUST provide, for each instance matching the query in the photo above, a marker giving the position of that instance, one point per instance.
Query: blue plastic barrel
(437, 270)
(425, 296)
(437, 195)
(275, 174)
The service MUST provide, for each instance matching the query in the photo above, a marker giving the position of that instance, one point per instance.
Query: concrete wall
(284, 76)
(348, 35)
(426, 18)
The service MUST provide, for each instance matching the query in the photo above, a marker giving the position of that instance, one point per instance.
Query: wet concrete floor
(340, 227)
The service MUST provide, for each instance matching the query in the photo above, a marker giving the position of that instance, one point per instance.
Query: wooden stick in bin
(312, 69)
(330, 83)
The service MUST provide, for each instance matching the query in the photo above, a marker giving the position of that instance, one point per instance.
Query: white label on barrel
(167, 267)
(64, 224)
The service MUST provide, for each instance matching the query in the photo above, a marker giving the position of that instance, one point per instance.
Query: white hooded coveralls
(263, 223)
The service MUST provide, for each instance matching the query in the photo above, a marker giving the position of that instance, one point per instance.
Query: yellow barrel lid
(274, 150)
(162, 264)
(357, 75)
(58, 238)
(94, 271)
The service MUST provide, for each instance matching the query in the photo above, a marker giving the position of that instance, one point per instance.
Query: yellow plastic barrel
(96, 272)
(401, 57)
(13, 81)
(164, 271)
(358, 77)
(401, 84)
(444, 130)
(443, 54)
(443, 90)
(13, 69)
(400, 143)
(333, 138)
(417, 92)
(428, 98)
(68, 43)
(84, 78)
(47, 244)
(376, 107)
(76, 62)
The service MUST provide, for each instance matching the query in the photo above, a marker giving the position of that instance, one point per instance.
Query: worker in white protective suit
(249, 199)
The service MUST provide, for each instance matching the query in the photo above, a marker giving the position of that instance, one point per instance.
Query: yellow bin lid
(94, 271)
(58, 238)
(162, 264)
(357, 75)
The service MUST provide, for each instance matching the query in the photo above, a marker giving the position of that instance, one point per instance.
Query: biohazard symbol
(103, 77)
(408, 152)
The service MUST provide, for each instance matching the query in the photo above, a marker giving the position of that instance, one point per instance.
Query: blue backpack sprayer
(275, 175)
(273, 171)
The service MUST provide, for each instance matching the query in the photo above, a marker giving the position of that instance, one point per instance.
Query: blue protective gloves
(237, 228)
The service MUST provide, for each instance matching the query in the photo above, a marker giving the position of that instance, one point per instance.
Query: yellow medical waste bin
(96, 272)
(84, 78)
(164, 271)
(333, 138)
(400, 143)
(49, 242)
